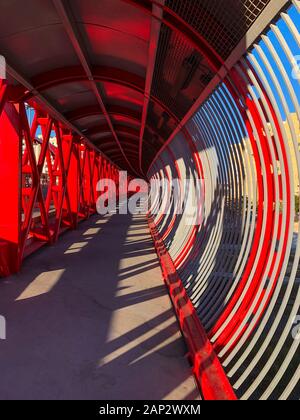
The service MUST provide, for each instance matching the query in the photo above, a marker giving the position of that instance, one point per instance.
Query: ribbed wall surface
(240, 263)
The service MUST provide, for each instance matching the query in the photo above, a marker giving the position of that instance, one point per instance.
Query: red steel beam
(74, 36)
(79, 113)
(125, 140)
(132, 116)
(118, 127)
(179, 25)
(64, 75)
(74, 74)
(128, 148)
(74, 168)
(153, 45)
(117, 154)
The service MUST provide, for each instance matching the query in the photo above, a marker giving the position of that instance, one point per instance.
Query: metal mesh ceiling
(223, 23)
(180, 74)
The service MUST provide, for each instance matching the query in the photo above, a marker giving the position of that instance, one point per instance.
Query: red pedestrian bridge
(150, 305)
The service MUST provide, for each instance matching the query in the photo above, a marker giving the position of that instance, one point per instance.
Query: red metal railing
(45, 188)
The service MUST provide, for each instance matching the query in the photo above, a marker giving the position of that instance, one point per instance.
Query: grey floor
(89, 318)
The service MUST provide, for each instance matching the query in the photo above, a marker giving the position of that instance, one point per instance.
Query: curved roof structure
(123, 72)
(200, 99)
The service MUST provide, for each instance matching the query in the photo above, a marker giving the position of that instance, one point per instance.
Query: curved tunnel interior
(201, 92)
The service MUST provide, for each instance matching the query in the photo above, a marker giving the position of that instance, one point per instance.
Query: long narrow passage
(90, 318)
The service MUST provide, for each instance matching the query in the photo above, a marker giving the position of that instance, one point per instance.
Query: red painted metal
(75, 74)
(10, 170)
(50, 187)
(179, 25)
(265, 250)
(208, 371)
(100, 129)
(122, 129)
(153, 45)
(65, 14)
(111, 109)
(269, 231)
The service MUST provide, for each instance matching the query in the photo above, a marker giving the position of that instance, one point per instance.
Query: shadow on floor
(89, 318)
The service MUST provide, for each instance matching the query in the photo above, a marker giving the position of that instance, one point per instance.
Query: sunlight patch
(76, 247)
(92, 231)
(44, 283)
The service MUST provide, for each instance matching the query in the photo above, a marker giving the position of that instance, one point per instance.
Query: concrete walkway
(89, 318)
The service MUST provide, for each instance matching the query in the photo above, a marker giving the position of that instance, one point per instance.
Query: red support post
(10, 187)
(73, 182)
(67, 147)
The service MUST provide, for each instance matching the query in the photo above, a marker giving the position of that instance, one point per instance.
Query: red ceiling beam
(116, 153)
(153, 45)
(75, 74)
(179, 25)
(118, 127)
(126, 140)
(112, 150)
(108, 141)
(125, 143)
(104, 129)
(117, 110)
(91, 111)
(70, 74)
(114, 110)
(72, 31)
(129, 131)
(130, 152)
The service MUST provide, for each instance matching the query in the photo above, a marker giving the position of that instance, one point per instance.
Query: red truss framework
(33, 215)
